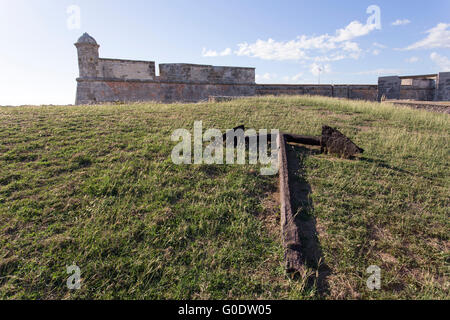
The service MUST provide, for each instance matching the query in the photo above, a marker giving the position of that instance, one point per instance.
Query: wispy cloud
(317, 69)
(379, 45)
(213, 53)
(380, 72)
(353, 30)
(294, 79)
(441, 61)
(266, 77)
(320, 48)
(304, 47)
(376, 48)
(438, 37)
(297, 77)
(376, 52)
(401, 22)
(412, 60)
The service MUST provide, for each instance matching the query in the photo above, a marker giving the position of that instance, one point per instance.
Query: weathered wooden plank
(290, 233)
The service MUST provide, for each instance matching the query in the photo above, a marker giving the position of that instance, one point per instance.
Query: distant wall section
(389, 87)
(443, 87)
(358, 92)
(429, 87)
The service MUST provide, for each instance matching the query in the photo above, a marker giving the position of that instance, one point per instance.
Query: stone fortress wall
(117, 80)
(125, 69)
(114, 80)
(349, 91)
(429, 87)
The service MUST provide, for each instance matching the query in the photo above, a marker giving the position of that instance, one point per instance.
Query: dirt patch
(271, 214)
(387, 258)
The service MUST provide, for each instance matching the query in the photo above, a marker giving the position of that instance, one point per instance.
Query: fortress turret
(87, 49)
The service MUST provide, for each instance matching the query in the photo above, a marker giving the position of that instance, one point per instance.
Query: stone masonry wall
(415, 88)
(359, 92)
(126, 69)
(443, 87)
(418, 94)
(389, 87)
(293, 89)
(182, 72)
(96, 91)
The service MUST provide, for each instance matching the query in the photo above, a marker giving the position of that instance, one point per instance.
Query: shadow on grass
(302, 206)
(384, 165)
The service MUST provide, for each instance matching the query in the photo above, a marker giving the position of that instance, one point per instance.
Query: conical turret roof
(86, 38)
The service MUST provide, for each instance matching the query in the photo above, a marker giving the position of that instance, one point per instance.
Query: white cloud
(209, 53)
(353, 30)
(293, 79)
(213, 53)
(297, 77)
(412, 60)
(265, 77)
(339, 45)
(273, 50)
(352, 48)
(379, 72)
(320, 48)
(379, 45)
(335, 56)
(438, 37)
(400, 22)
(226, 52)
(275, 78)
(317, 69)
(442, 62)
(376, 48)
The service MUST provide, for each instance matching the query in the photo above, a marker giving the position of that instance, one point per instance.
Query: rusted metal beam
(333, 141)
(296, 138)
(224, 136)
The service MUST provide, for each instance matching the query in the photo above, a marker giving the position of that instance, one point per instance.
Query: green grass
(95, 186)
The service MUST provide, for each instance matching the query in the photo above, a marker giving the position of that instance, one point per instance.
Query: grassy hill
(95, 186)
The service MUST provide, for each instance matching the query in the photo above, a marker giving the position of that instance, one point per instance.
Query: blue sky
(287, 41)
